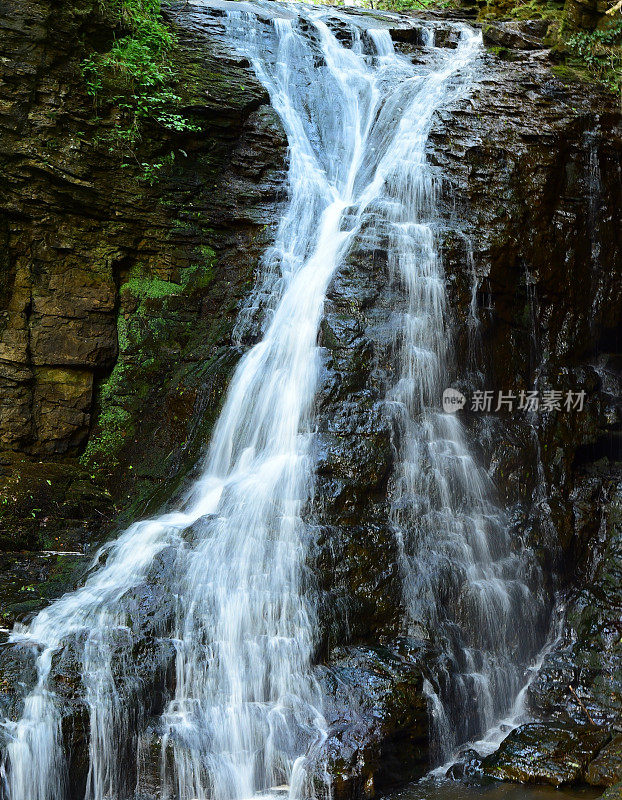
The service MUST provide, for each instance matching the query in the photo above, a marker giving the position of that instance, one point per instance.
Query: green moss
(150, 326)
(501, 52)
(567, 73)
(533, 9)
(28, 583)
(128, 382)
(200, 275)
(147, 287)
(115, 423)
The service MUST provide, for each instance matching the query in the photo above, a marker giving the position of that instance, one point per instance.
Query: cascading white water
(246, 709)
(466, 583)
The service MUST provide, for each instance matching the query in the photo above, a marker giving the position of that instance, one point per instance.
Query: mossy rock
(606, 768)
(544, 753)
(613, 793)
(28, 582)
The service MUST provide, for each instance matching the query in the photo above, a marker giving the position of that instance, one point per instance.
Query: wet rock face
(580, 679)
(543, 754)
(357, 548)
(534, 169)
(606, 768)
(117, 303)
(58, 325)
(520, 35)
(378, 728)
(117, 298)
(530, 243)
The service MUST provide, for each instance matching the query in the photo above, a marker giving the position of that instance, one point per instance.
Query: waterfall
(236, 600)
(467, 584)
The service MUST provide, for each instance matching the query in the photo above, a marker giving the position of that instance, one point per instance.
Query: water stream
(238, 604)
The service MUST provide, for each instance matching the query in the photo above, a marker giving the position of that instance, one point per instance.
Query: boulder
(377, 714)
(519, 35)
(606, 768)
(613, 793)
(545, 753)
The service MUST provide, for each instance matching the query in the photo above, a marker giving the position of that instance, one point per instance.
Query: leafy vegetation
(136, 74)
(601, 52)
(582, 54)
(408, 5)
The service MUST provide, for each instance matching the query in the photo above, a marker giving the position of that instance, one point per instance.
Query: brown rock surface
(78, 221)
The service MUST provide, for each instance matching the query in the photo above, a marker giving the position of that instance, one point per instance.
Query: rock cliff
(119, 292)
(118, 297)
